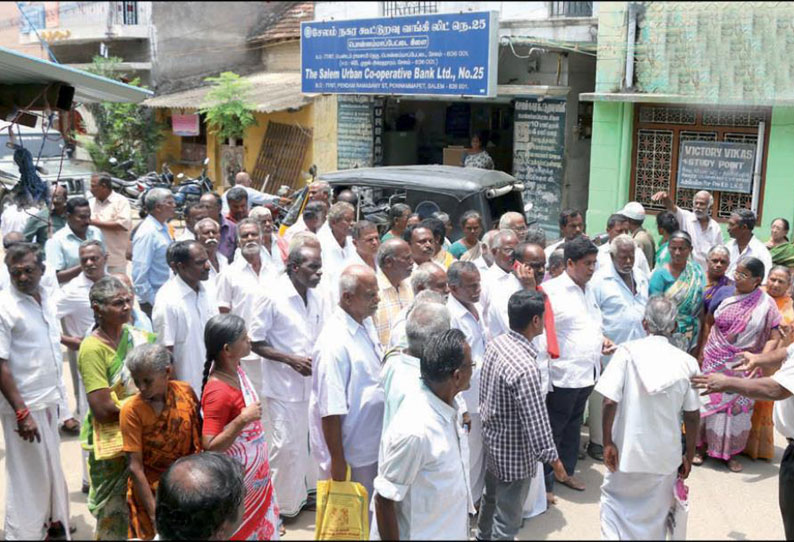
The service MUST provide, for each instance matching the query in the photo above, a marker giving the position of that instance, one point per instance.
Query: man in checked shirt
(515, 424)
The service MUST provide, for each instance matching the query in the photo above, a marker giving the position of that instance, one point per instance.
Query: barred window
(398, 9)
(571, 9)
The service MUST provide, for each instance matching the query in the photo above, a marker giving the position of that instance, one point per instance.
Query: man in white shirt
(15, 217)
(346, 402)
(778, 387)
(271, 253)
(621, 293)
(582, 343)
(336, 243)
(317, 191)
(744, 244)
(645, 389)
(208, 233)
(367, 242)
(618, 224)
(194, 212)
(286, 323)
(571, 225)
(30, 368)
(499, 283)
(182, 308)
(111, 213)
(255, 197)
(465, 314)
(423, 457)
(704, 230)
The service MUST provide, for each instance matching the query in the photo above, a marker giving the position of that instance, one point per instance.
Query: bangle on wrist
(22, 413)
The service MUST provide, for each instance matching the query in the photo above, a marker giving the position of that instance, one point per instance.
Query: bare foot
(551, 499)
(734, 465)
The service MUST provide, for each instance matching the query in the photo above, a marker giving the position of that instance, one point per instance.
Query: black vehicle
(426, 189)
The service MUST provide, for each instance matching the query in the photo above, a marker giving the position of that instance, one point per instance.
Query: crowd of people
(234, 366)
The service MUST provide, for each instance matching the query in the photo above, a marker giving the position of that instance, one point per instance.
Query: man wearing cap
(635, 213)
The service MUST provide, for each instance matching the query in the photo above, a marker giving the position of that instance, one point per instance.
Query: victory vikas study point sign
(442, 54)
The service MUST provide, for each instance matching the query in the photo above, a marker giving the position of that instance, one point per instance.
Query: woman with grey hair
(101, 362)
(158, 425)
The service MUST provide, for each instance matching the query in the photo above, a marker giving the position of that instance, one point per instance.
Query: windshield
(33, 142)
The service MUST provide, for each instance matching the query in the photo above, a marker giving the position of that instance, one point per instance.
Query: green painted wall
(779, 188)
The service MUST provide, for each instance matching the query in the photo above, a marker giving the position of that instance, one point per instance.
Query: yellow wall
(319, 117)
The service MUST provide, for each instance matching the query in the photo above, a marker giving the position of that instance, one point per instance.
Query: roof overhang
(271, 91)
(17, 68)
(638, 97)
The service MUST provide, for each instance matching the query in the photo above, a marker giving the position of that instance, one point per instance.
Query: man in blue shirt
(63, 248)
(149, 267)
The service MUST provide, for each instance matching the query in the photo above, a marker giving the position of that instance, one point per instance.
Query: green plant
(225, 108)
(125, 131)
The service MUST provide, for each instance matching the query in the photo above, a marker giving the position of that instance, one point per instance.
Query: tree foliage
(125, 131)
(226, 110)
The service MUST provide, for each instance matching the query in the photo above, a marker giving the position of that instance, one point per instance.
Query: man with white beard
(208, 233)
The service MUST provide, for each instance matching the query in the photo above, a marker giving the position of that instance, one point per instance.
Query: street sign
(451, 54)
(716, 165)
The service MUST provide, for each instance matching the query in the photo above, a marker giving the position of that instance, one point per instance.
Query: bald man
(346, 400)
(255, 197)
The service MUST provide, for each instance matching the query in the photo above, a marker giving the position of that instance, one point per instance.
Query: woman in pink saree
(747, 321)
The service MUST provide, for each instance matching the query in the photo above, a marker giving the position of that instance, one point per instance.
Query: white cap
(634, 210)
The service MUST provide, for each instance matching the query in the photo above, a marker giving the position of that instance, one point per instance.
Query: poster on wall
(355, 134)
(442, 54)
(185, 125)
(723, 166)
(539, 157)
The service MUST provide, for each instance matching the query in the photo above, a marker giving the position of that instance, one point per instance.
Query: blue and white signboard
(442, 54)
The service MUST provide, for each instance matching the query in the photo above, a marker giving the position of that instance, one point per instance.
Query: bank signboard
(451, 54)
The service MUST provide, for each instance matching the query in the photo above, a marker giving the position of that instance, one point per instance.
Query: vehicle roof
(454, 181)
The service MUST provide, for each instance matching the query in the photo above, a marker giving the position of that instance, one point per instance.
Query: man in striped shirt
(515, 424)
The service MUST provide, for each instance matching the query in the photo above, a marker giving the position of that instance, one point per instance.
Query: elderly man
(182, 308)
(194, 212)
(237, 198)
(428, 276)
(645, 388)
(286, 322)
(111, 213)
(367, 241)
(317, 191)
(499, 283)
(274, 250)
(635, 215)
(618, 224)
(30, 376)
(423, 452)
(744, 244)
(346, 403)
(704, 230)
(516, 222)
(48, 281)
(200, 497)
(208, 234)
(337, 246)
(515, 425)
(38, 226)
(254, 197)
(314, 215)
(228, 239)
(394, 268)
(581, 341)
(422, 242)
(62, 249)
(571, 225)
(466, 315)
(621, 292)
(149, 267)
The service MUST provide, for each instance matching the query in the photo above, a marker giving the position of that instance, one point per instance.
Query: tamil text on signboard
(716, 165)
(538, 151)
(442, 54)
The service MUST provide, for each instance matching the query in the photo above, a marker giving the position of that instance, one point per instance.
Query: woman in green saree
(682, 281)
(107, 383)
(781, 250)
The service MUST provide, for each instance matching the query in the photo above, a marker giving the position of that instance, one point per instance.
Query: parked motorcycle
(191, 190)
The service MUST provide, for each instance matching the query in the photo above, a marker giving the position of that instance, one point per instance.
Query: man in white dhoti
(286, 323)
(466, 315)
(645, 388)
(37, 499)
(346, 401)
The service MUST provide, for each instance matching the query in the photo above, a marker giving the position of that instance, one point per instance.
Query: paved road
(724, 505)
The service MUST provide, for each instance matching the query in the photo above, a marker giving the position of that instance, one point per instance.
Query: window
(125, 12)
(194, 148)
(571, 9)
(397, 9)
(658, 133)
(281, 157)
